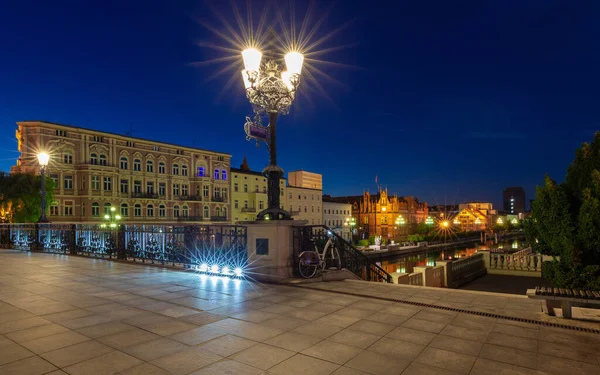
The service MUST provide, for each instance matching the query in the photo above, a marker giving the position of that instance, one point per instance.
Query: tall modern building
(305, 179)
(146, 181)
(514, 200)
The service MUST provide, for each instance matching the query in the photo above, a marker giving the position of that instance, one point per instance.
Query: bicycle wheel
(336, 261)
(307, 264)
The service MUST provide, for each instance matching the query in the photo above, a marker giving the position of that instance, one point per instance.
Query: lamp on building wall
(271, 91)
(43, 159)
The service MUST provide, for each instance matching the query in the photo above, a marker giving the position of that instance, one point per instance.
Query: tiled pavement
(75, 315)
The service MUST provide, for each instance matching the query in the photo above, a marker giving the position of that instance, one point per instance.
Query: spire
(244, 166)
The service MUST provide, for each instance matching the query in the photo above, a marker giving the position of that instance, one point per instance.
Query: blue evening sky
(445, 100)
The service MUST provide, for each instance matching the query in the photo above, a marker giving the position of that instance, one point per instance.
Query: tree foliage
(565, 221)
(20, 199)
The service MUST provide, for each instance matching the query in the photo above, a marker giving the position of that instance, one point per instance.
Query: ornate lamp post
(111, 218)
(271, 91)
(43, 159)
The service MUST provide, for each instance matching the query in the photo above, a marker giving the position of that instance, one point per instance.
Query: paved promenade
(73, 315)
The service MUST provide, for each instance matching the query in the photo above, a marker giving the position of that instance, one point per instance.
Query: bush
(363, 243)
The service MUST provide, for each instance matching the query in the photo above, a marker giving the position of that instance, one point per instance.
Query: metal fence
(179, 245)
(352, 259)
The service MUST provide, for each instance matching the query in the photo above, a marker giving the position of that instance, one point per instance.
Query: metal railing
(144, 195)
(190, 198)
(248, 209)
(178, 245)
(351, 258)
(218, 198)
(191, 218)
(218, 218)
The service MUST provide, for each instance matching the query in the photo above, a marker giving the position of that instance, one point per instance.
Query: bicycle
(311, 260)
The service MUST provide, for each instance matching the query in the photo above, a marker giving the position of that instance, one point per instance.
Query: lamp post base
(274, 214)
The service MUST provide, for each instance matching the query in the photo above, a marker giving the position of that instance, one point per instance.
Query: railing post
(73, 239)
(446, 271)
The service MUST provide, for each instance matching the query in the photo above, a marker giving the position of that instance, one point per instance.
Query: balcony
(190, 218)
(218, 198)
(190, 198)
(218, 218)
(248, 209)
(144, 195)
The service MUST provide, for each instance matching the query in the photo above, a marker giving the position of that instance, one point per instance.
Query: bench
(563, 298)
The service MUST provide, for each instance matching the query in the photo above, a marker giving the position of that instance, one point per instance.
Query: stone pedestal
(270, 249)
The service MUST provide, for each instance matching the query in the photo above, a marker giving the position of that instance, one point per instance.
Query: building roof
(243, 171)
(32, 122)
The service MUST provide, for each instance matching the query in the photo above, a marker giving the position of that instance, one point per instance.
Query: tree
(565, 222)
(20, 200)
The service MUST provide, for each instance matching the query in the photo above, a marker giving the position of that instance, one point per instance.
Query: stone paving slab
(74, 315)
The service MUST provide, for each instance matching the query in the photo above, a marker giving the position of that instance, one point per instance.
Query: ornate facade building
(377, 214)
(146, 181)
(249, 193)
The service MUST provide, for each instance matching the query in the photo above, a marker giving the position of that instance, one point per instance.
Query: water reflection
(406, 263)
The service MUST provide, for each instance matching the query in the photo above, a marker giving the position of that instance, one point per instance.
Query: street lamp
(43, 159)
(351, 222)
(111, 218)
(271, 91)
(400, 221)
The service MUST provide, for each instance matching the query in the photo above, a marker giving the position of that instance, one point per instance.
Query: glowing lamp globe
(294, 61)
(252, 58)
(118, 217)
(106, 217)
(43, 158)
(286, 78)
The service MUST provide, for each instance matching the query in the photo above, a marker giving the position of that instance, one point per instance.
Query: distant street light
(43, 159)
(271, 91)
(111, 218)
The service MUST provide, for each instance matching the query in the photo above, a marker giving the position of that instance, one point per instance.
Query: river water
(406, 263)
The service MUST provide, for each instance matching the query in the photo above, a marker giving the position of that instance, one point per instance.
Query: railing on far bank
(352, 259)
(178, 245)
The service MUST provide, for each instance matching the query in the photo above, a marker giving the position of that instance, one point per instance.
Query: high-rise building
(514, 200)
(303, 197)
(305, 179)
(144, 180)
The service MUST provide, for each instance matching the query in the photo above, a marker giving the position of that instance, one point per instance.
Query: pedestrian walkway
(73, 315)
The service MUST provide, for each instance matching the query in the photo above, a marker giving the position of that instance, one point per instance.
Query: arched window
(224, 175)
(94, 159)
(185, 211)
(124, 210)
(218, 211)
(184, 170)
(137, 210)
(225, 212)
(150, 210)
(216, 175)
(206, 211)
(124, 163)
(106, 208)
(175, 168)
(161, 167)
(162, 212)
(137, 165)
(176, 211)
(149, 166)
(102, 159)
(95, 209)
